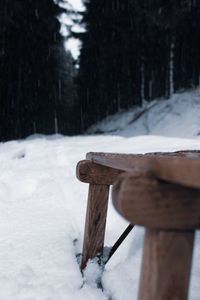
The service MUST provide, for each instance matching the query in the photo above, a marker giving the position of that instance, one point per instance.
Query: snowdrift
(42, 206)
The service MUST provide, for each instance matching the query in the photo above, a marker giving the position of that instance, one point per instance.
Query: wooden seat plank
(181, 167)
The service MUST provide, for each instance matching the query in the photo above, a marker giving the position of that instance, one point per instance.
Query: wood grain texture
(89, 172)
(146, 201)
(160, 191)
(166, 265)
(95, 222)
(179, 167)
(106, 158)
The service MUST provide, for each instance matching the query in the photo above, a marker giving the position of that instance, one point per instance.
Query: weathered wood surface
(89, 172)
(160, 191)
(106, 156)
(152, 203)
(166, 265)
(179, 167)
(95, 222)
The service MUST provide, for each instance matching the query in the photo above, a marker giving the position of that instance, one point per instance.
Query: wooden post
(166, 265)
(99, 179)
(170, 213)
(95, 222)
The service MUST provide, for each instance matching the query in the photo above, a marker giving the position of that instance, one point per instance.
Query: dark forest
(131, 51)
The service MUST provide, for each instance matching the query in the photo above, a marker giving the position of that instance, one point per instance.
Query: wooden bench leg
(166, 265)
(95, 222)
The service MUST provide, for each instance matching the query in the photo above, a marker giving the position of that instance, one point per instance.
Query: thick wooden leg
(166, 265)
(95, 222)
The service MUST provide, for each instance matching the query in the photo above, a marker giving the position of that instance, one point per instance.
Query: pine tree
(188, 47)
(106, 82)
(33, 89)
(134, 51)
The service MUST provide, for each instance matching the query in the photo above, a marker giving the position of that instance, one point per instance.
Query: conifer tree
(33, 87)
(106, 82)
(134, 51)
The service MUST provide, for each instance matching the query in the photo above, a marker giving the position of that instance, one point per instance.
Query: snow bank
(175, 117)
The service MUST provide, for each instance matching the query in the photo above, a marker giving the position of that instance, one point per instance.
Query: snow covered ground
(177, 117)
(42, 208)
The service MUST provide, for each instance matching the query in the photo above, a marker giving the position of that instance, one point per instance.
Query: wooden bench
(160, 191)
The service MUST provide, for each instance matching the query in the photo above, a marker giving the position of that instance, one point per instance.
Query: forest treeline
(37, 93)
(135, 50)
(132, 50)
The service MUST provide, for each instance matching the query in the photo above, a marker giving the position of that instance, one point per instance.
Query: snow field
(42, 212)
(42, 206)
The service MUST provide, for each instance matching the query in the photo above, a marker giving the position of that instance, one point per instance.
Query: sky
(77, 4)
(72, 44)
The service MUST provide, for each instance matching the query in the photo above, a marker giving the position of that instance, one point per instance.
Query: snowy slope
(177, 117)
(42, 211)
